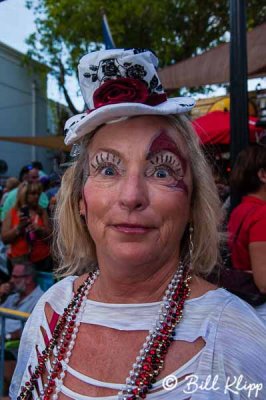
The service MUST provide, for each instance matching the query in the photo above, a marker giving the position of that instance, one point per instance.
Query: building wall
(16, 111)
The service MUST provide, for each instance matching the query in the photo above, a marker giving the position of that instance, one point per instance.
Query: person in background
(55, 182)
(221, 184)
(20, 293)
(247, 222)
(11, 184)
(26, 228)
(4, 272)
(38, 165)
(27, 174)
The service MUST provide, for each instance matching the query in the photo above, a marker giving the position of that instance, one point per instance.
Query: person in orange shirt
(26, 228)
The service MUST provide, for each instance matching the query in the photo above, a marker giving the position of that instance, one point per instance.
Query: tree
(174, 29)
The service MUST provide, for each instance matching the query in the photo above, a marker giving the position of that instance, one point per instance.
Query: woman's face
(136, 200)
(33, 198)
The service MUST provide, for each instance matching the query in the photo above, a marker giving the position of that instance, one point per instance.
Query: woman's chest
(107, 356)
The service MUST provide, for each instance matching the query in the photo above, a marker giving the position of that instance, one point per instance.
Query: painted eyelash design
(166, 159)
(105, 159)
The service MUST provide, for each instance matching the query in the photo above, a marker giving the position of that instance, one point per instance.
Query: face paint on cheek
(180, 186)
(164, 143)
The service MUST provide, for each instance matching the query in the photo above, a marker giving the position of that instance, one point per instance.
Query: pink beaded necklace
(149, 362)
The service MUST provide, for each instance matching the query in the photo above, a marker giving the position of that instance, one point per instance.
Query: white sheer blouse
(232, 364)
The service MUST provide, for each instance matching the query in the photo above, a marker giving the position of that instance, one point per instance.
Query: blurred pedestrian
(21, 293)
(27, 174)
(247, 222)
(11, 184)
(26, 228)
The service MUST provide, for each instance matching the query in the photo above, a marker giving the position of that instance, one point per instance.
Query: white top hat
(120, 83)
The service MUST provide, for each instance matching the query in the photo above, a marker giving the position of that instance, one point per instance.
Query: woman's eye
(108, 171)
(161, 173)
(164, 175)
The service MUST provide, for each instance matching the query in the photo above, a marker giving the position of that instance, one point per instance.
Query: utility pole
(33, 120)
(238, 82)
(238, 78)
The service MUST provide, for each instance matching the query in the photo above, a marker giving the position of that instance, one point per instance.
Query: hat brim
(82, 124)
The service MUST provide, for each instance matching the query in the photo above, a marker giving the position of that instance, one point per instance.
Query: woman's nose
(133, 193)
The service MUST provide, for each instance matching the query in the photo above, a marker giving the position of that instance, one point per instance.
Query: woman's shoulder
(228, 310)
(240, 340)
(260, 212)
(64, 283)
(60, 294)
(240, 333)
(254, 208)
(218, 313)
(240, 319)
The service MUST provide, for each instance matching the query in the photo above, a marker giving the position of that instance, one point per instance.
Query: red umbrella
(214, 128)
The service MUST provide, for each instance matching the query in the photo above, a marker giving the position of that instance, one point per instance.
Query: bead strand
(67, 323)
(151, 359)
(67, 342)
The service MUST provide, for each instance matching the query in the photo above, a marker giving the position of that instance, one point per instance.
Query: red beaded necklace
(149, 362)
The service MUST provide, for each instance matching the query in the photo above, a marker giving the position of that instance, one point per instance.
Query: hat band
(125, 90)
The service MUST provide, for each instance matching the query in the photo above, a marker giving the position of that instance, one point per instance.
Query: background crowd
(26, 260)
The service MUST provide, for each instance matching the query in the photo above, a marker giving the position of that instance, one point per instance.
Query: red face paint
(180, 185)
(164, 143)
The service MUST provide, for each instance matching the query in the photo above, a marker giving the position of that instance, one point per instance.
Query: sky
(17, 23)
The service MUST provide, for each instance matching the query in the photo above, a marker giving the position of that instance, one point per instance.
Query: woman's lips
(132, 229)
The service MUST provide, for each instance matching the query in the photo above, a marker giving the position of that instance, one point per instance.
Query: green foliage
(174, 29)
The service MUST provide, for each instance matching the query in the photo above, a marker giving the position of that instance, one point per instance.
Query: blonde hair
(11, 183)
(73, 244)
(23, 191)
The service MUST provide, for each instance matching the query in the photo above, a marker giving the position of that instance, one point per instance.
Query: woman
(140, 207)
(26, 228)
(11, 184)
(247, 223)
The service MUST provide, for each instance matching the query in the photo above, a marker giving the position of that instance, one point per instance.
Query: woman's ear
(262, 175)
(82, 208)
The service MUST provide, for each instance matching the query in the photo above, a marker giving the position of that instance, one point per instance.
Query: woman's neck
(141, 284)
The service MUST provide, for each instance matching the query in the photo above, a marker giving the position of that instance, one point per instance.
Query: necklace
(149, 362)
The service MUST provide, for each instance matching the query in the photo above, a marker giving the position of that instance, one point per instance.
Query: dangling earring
(191, 244)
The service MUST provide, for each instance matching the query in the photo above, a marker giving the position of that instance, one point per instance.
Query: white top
(231, 364)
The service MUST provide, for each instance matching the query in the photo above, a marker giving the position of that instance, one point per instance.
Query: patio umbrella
(214, 128)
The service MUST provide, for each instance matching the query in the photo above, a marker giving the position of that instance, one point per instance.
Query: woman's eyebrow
(106, 150)
(163, 142)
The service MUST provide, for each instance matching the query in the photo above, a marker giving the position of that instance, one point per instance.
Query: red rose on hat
(121, 90)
